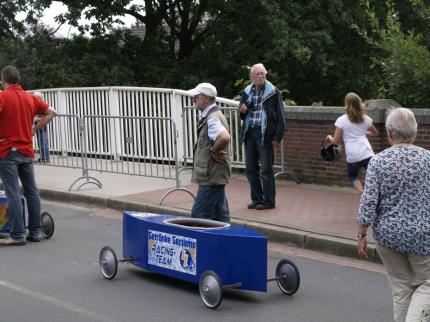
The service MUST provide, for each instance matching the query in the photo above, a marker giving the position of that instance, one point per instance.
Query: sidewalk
(310, 216)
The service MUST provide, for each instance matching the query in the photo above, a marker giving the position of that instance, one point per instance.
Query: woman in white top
(353, 127)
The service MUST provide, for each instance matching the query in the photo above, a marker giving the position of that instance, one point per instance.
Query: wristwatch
(361, 236)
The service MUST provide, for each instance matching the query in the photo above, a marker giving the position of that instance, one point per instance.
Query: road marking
(57, 302)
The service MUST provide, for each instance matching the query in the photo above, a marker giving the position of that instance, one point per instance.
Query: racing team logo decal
(187, 260)
(173, 252)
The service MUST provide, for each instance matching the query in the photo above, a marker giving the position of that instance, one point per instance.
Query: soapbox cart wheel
(47, 225)
(108, 263)
(288, 276)
(210, 289)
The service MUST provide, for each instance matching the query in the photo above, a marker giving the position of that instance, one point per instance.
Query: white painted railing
(125, 123)
(136, 102)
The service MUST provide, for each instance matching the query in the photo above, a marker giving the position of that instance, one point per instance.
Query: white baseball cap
(205, 89)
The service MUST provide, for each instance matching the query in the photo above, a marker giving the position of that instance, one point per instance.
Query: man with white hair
(262, 113)
(211, 162)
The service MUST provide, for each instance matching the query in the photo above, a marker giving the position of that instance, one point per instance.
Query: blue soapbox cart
(213, 254)
(46, 218)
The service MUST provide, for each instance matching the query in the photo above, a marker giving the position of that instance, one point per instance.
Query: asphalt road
(59, 280)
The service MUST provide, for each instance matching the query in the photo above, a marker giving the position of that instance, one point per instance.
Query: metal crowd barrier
(64, 148)
(132, 131)
(189, 124)
(141, 146)
(150, 102)
(237, 150)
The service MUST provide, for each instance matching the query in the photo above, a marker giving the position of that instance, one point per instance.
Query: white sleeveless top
(357, 146)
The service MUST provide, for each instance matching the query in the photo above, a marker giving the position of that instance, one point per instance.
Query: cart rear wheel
(210, 289)
(47, 225)
(108, 262)
(288, 276)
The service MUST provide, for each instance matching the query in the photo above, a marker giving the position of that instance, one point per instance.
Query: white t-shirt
(357, 146)
(215, 126)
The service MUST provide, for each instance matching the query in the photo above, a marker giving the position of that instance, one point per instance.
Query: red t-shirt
(17, 111)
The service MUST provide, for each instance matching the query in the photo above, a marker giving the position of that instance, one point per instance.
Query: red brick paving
(320, 209)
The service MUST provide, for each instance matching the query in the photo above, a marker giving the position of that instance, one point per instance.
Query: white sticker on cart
(143, 214)
(173, 252)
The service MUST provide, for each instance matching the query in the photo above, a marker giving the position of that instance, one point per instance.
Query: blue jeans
(211, 203)
(43, 144)
(259, 160)
(17, 166)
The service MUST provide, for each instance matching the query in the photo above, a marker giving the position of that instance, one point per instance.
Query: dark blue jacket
(273, 117)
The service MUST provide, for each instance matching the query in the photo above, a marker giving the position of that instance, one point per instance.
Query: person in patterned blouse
(396, 203)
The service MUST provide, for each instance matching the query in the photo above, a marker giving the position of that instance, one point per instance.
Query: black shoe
(264, 206)
(34, 238)
(253, 205)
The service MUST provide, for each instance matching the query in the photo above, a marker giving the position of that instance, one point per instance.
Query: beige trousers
(409, 276)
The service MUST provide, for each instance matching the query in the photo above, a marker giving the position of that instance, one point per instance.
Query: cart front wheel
(47, 225)
(288, 276)
(210, 289)
(108, 263)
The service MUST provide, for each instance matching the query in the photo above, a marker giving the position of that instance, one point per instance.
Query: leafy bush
(405, 58)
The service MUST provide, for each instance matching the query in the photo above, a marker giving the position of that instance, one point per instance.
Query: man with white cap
(211, 160)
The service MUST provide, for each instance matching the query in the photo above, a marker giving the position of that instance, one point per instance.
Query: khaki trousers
(409, 276)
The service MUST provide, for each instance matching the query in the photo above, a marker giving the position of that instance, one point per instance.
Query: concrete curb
(289, 236)
(313, 241)
(72, 197)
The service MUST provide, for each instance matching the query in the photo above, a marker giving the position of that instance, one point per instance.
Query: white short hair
(402, 125)
(257, 66)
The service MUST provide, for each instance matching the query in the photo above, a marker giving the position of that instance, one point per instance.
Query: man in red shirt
(17, 111)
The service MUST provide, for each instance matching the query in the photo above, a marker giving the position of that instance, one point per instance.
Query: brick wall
(308, 126)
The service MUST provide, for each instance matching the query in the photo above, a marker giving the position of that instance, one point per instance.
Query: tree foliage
(315, 51)
(176, 21)
(405, 58)
(9, 25)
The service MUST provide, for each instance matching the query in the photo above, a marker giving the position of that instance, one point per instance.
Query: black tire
(48, 226)
(108, 262)
(288, 276)
(210, 289)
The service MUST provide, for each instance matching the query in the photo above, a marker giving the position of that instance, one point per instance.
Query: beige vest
(207, 171)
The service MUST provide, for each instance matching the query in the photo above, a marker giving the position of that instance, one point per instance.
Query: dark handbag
(331, 152)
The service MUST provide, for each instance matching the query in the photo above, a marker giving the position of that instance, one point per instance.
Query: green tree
(311, 49)
(405, 58)
(315, 51)
(318, 53)
(39, 58)
(8, 23)
(178, 22)
(46, 61)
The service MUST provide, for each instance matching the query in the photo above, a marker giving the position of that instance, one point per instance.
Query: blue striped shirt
(256, 109)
